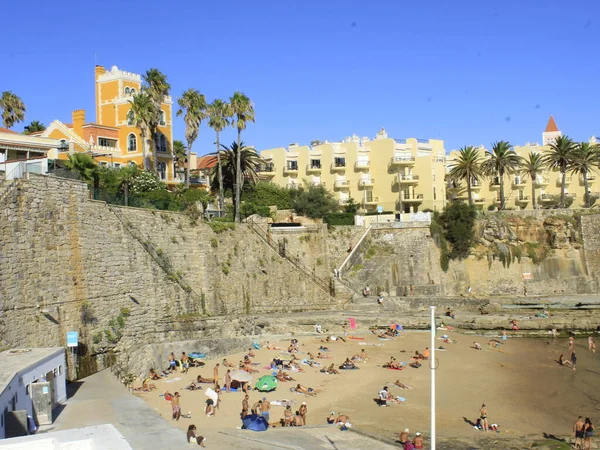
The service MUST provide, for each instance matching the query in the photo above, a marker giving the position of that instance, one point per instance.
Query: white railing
(18, 168)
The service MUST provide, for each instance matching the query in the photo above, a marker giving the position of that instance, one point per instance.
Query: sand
(526, 392)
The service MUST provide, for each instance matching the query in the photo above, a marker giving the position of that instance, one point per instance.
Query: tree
(532, 167)
(458, 221)
(560, 157)
(180, 155)
(586, 158)
(13, 109)
(127, 176)
(219, 113)
(315, 202)
(501, 160)
(84, 165)
(142, 110)
(33, 127)
(467, 166)
(249, 161)
(156, 86)
(243, 112)
(193, 104)
(267, 194)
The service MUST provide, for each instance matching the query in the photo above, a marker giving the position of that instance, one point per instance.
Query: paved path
(101, 399)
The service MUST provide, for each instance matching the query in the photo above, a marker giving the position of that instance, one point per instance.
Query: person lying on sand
(415, 364)
(342, 418)
(227, 363)
(276, 363)
(248, 368)
(476, 346)
(284, 376)
(450, 313)
(305, 390)
(393, 364)
(193, 387)
(322, 356)
(250, 354)
(270, 346)
(402, 385)
(201, 379)
(493, 343)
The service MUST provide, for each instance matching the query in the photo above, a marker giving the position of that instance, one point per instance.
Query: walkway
(101, 399)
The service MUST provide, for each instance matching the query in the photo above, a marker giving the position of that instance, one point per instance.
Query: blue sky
(468, 72)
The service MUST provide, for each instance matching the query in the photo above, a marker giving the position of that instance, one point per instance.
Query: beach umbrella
(210, 393)
(241, 376)
(266, 383)
(255, 422)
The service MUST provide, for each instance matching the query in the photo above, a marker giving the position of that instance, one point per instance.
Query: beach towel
(173, 380)
(352, 321)
(256, 346)
(356, 338)
(210, 393)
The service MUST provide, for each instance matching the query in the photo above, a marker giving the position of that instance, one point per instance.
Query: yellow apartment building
(518, 188)
(114, 139)
(396, 175)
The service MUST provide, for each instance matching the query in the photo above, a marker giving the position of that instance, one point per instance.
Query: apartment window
(161, 143)
(106, 142)
(163, 120)
(315, 163)
(292, 165)
(127, 91)
(130, 118)
(340, 162)
(162, 169)
(131, 142)
(132, 164)
(133, 91)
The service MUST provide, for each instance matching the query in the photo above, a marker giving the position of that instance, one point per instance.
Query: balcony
(341, 184)
(317, 183)
(408, 179)
(403, 161)
(266, 171)
(293, 185)
(542, 182)
(370, 182)
(479, 202)
(417, 198)
(290, 169)
(495, 184)
(451, 185)
(338, 167)
(475, 185)
(546, 198)
(372, 201)
(523, 200)
(497, 201)
(313, 168)
(590, 179)
(424, 144)
(362, 165)
(518, 182)
(200, 180)
(568, 181)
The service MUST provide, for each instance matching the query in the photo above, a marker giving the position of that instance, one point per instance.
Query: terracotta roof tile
(6, 130)
(206, 162)
(551, 125)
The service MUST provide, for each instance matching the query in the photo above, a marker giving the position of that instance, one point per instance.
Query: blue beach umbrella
(255, 423)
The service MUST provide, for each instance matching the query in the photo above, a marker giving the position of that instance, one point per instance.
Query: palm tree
(143, 110)
(560, 157)
(250, 163)
(219, 113)
(127, 175)
(13, 109)
(180, 155)
(501, 160)
(586, 158)
(243, 112)
(157, 88)
(193, 104)
(84, 165)
(466, 166)
(532, 167)
(33, 127)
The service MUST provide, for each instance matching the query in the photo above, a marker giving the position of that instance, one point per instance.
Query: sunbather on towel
(305, 390)
(201, 379)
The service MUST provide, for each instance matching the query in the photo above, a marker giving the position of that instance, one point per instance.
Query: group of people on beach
(408, 443)
(584, 430)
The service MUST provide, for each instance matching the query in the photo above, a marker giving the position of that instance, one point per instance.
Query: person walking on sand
(228, 380)
(216, 374)
(571, 345)
(573, 360)
(578, 428)
(176, 406)
(303, 410)
(588, 432)
(265, 406)
(483, 416)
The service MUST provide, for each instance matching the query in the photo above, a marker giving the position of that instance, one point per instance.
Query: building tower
(551, 133)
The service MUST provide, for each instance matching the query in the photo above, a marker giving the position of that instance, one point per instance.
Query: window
(162, 169)
(133, 91)
(132, 164)
(292, 165)
(340, 162)
(162, 144)
(127, 91)
(163, 120)
(106, 142)
(315, 163)
(131, 143)
(130, 118)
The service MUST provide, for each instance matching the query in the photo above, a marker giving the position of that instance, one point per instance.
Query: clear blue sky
(468, 72)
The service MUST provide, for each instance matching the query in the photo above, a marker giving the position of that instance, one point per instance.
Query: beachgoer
(476, 346)
(404, 436)
(172, 362)
(383, 396)
(418, 440)
(573, 360)
(450, 313)
(504, 335)
(588, 432)
(227, 363)
(257, 407)
(216, 373)
(201, 379)
(367, 291)
(342, 418)
(192, 438)
(264, 408)
(402, 385)
(331, 419)
(514, 325)
(332, 370)
(563, 362)
(210, 407)
(303, 410)
(578, 428)
(483, 416)
(305, 390)
(426, 353)
(380, 299)
(244, 412)
(227, 384)
(297, 419)
(176, 406)
(153, 375)
(185, 362)
(287, 416)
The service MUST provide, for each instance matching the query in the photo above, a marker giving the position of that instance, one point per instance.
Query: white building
(27, 377)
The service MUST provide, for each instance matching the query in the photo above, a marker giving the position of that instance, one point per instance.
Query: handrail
(264, 235)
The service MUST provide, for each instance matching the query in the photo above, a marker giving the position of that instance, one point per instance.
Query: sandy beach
(526, 391)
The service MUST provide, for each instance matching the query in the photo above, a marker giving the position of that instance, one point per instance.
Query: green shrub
(344, 218)
(315, 202)
(225, 268)
(214, 242)
(220, 227)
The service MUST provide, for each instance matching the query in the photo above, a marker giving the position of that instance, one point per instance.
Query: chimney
(78, 121)
(99, 70)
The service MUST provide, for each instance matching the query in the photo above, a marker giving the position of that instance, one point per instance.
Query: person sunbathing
(305, 390)
(201, 379)
(402, 385)
(270, 346)
(193, 386)
(250, 353)
(331, 370)
(342, 418)
(227, 363)
(347, 365)
(415, 364)
(393, 364)
(418, 355)
(331, 419)
(276, 363)
(248, 368)
(153, 375)
(284, 376)
(493, 343)
(147, 386)
(292, 349)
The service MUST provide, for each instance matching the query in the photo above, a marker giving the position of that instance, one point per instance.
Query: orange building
(114, 139)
